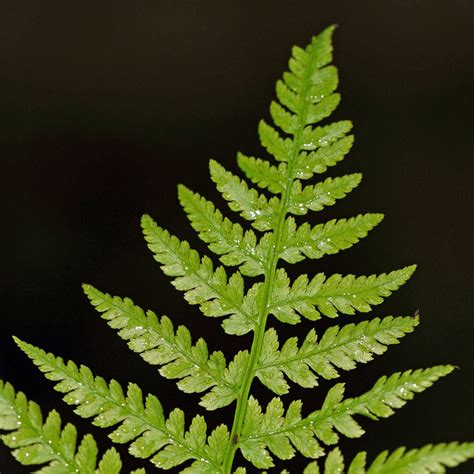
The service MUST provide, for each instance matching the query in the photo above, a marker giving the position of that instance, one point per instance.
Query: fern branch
(429, 458)
(263, 174)
(338, 348)
(38, 442)
(320, 195)
(141, 422)
(159, 344)
(331, 295)
(216, 294)
(247, 201)
(324, 239)
(267, 432)
(224, 237)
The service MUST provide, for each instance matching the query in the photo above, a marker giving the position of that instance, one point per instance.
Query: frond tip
(36, 442)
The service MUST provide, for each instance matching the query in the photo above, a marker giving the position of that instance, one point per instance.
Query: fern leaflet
(35, 441)
(141, 421)
(340, 348)
(273, 430)
(159, 344)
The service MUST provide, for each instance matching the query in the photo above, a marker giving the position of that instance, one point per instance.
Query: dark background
(106, 106)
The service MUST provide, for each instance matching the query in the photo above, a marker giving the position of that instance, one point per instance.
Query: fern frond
(35, 441)
(333, 295)
(141, 421)
(320, 195)
(159, 344)
(224, 237)
(247, 201)
(324, 239)
(216, 294)
(429, 458)
(273, 430)
(338, 348)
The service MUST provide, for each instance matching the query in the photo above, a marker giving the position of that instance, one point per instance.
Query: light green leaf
(35, 442)
(224, 237)
(324, 156)
(110, 463)
(311, 468)
(276, 432)
(334, 463)
(335, 416)
(216, 294)
(428, 459)
(333, 295)
(159, 344)
(338, 348)
(323, 194)
(263, 174)
(141, 420)
(280, 148)
(247, 201)
(324, 239)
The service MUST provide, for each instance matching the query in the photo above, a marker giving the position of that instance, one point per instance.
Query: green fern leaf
(341, 348)
(311, 468)
(159, 344)
(223, 236)
(323, 194)
(328, 153)
(334, 463)
(302, 147)
(430, 458)
(37, 442)
(271, 431)
(247, 201)
(216, 294)
(336, 415)
(324, 239)
(141, 421)
(338, 293)
(263, 174)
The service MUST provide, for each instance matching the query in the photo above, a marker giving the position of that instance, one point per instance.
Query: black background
(106, 106)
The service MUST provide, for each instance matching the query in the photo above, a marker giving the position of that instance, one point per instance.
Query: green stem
(269, 276)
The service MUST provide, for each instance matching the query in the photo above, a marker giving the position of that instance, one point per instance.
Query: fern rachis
(247, 298)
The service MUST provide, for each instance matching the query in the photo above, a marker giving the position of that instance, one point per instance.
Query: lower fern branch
(36, 442)
(140, 421)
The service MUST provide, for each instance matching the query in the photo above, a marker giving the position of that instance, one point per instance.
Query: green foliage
(252, 296)
(35, 441)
